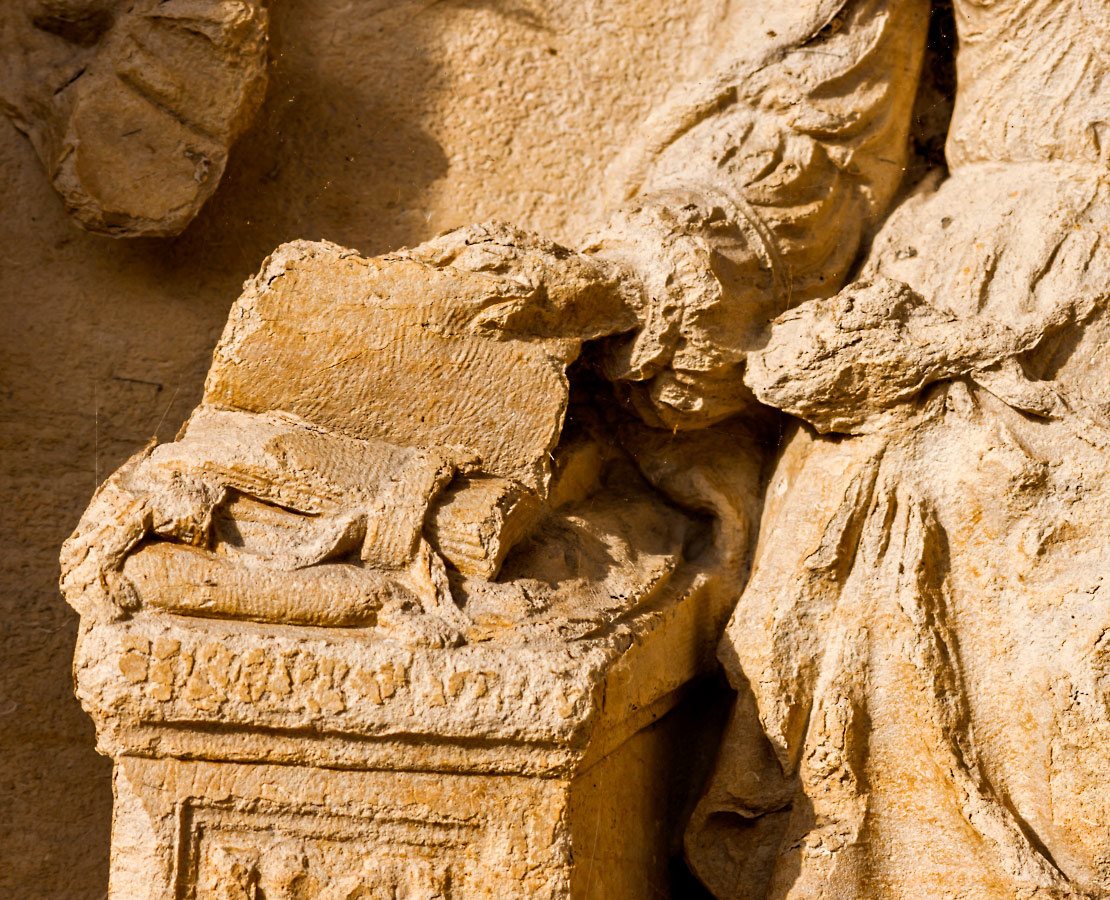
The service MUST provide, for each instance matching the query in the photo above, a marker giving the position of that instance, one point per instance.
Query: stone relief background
(385, 122)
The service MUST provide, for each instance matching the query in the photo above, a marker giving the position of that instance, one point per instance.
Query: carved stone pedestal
(266, 762)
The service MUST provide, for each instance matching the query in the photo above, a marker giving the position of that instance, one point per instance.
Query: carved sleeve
(752, 192)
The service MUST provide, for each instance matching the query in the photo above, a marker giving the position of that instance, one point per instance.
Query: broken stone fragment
(132, 108)
(478, 520)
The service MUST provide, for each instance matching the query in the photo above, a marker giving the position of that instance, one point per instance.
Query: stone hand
(538, 289)
(839, 363)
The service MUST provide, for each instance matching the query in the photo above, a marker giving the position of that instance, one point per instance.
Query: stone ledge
(162, 685)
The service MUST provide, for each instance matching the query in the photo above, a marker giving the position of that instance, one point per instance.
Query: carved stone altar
(298, 760)
(300, 697)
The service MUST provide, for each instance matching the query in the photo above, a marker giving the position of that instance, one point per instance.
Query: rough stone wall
(385, 122)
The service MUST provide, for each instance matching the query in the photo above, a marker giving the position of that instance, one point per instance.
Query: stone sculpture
(393, 541)
(480, 508)
(132, 107)
(920, 649)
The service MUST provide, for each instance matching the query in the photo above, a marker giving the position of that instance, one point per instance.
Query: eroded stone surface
(476, 509)
(133, 107)
(919, 651)
(390, 525)
(386, 122)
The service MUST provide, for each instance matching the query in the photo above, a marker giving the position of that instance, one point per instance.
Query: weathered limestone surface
(301, 693)
(132, 107)
(920, 650)
(418, 591)
(385, 123)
